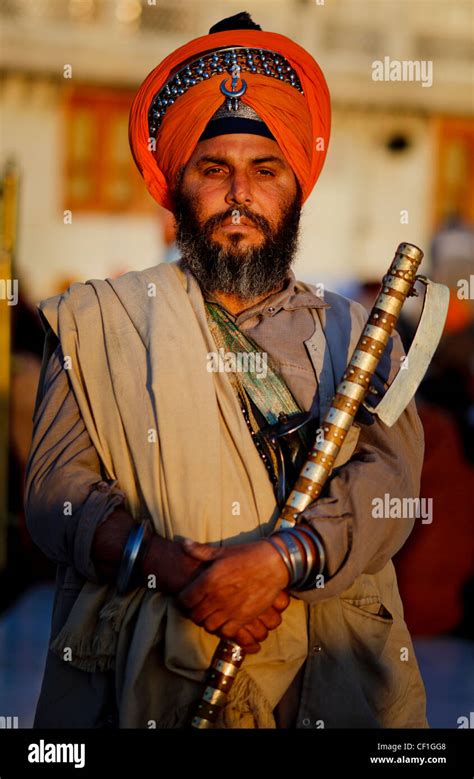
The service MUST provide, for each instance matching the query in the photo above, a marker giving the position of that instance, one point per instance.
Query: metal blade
(423, 347)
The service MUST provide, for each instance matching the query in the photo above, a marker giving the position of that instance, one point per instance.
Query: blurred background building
(400, 167)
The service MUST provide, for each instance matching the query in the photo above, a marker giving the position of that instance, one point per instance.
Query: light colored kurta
(353, 675)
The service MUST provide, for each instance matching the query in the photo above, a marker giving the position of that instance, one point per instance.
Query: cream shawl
(173, 436)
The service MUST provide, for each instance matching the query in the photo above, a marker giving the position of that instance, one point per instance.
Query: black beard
(246, 273)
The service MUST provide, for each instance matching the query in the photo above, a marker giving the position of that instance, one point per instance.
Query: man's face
(237, 212)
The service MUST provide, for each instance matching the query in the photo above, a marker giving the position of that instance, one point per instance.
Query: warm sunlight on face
(246, 170)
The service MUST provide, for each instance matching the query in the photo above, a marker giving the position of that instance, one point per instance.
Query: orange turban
(299, 122)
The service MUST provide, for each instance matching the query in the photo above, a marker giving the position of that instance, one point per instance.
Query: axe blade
(420, 354)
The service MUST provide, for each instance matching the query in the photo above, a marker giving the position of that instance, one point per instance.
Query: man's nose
(239, 190)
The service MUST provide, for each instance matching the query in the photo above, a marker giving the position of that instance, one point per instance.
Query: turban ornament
(237, 80)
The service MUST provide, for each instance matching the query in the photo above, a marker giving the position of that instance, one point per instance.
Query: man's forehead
(238, 146)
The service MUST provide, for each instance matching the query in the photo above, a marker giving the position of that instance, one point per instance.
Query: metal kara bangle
(284, 556)
(310, 561)
(130, 556)
(311, 532)
(317, 569)
(296, 556)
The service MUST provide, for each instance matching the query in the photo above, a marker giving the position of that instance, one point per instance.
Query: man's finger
(257, 629)
(203, 552)
(231, 628)
(271, 618)
(213, 622)
(244, 638)
(252, 649)
(282, 601)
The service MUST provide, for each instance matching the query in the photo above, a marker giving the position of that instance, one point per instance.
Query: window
(99, 173)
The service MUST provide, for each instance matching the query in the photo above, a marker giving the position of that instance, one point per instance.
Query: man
(147, 411)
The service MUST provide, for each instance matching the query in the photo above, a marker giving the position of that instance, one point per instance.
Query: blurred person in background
(444, 604)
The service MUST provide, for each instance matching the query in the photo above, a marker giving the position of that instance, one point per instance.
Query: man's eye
(212, 170)
(266, 172)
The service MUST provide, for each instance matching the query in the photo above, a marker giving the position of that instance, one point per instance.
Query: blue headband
(241, 120)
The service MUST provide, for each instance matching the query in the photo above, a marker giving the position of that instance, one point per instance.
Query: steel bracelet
(130, 556)
(321, 552)
(312, 533)
(295, 554)
(284, 556)
(310, 557)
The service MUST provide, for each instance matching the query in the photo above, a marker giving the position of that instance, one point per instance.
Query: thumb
(203, 552)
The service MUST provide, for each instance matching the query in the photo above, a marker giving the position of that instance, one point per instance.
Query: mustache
(245, 272)
(256, 219)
